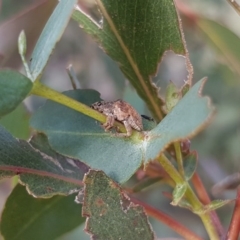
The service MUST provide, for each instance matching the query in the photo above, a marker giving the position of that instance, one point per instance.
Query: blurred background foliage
(212, 38)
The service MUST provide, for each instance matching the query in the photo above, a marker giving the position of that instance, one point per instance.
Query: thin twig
(234, 228)
(205, 199)
(179, 158)
(235, 5)
(167, 220)
(72, 76)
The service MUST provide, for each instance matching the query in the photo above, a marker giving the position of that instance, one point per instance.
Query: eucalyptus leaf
(178, 193)
(76, 135)
(38, 219)
(106, 205)
(14, 88)
(190, 165)
(172, 96)
(45, 172)
(223, 40)
(50, 35)
(17, 122)
(215, 204)
(136, 34)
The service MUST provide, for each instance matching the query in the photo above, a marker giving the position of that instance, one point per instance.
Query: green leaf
(172, 96)
(185, 204)
(106, 205)
(185, 89)
(14, 88)
(45, 172)
(136, 34)
(146, 183)
(50, 35)
(215, 204)
(190, 165)
(22, 44)
(178, 193)
(74, 134)
(223, 40)
(17, 122)
(25, 217)
(22, 49)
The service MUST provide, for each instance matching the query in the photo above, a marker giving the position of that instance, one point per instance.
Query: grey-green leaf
(187, 118)
(45, 172)
(74, 134)
(14, 88)
(50, 35)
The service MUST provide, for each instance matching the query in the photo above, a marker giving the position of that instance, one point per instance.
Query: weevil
(121, 111)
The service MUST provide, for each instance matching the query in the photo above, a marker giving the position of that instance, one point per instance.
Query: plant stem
(42, 90)
(165, 219)
(179, 158)
(190, 196)
(235, 5)
(205, 199)
(234, 228)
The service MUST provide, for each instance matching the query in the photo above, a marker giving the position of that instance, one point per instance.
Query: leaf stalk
(190, 196)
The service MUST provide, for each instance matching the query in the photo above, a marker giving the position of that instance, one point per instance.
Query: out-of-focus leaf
(178, 193)
(105, 205)
(185, 89)
(74, 134)
(146, 183)
(32, 22)
(17, 122)
(50, 35)
(45, 172)
(131, 96)
(190, 165)
(228, 183)
(172, 96)
(22, 44)
(215, 204)
(114, 72)
(14, 88)
(25, 217)
(185, 204)
(76, 234)
(136, 34)
(223, 40)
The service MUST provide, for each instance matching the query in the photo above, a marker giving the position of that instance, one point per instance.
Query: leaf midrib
(130, 59)
(33, 219)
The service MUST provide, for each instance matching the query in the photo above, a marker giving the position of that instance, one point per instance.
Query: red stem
(234, 228)
(205, 199)
(167, 220)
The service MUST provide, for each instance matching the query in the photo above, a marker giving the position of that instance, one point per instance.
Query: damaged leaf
(136, 34)
(106, 205)
(42, 170)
